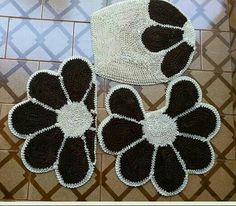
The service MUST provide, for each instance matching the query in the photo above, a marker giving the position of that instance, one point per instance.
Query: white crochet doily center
(74, 119)
(159, 129)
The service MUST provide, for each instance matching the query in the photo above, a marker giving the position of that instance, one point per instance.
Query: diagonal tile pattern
(205, 14)
(83, 42)
(206, 187)
(3, 35)
(14, 176)
(42, 40)
(22, 8)
(76, 10)
(14, 75)
(216, 51)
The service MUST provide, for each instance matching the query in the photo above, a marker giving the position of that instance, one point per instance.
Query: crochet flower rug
(58, 122)
(163, 146)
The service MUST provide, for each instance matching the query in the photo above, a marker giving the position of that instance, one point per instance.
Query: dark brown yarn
(77, 76)
(196, 154)
(157, 38)
(29, 118)
(47, 89)
(90, 138)
(168, 172)
(136, 163)
(164, 13)
(42, 150)
(176, 59)
(89, 101)
(201, 121)
(119, 133)
(184, 95)
(124, 102)
(73, 163)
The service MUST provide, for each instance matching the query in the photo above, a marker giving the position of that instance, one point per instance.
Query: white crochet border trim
(150, 177)
(30, 136)
(159, 77)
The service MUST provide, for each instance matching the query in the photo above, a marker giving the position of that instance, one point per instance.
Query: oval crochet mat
(142, 42)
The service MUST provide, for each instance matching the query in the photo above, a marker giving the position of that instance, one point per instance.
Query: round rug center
(159, 129)
(74, 119)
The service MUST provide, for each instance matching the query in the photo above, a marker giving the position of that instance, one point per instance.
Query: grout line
(8, 26)
(33, 60)
(73, 38)
(45, 19)
(100, 193)
(28, 187)
(42, 6)
(39, 64)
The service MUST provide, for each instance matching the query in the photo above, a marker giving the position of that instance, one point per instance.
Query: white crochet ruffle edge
(150, 177)
(30, 136)
(129, 80)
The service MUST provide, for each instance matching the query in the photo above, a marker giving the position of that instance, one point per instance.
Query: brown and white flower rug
(58, 122)
(163, 146)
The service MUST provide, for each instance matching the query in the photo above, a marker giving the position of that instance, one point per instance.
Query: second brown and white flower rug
(163, 146)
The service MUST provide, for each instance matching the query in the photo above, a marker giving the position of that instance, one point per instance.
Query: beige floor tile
(153, 96)
(224, 141)
(232, 15)
(216, 51)
(7, 140)
(217, 184)
(13, 79)
(113, 189)
(13, 176)
(46, 187)
(101, 115)
(100, 92)
(217, 89)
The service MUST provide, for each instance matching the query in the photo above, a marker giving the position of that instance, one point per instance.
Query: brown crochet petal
(157, 38)
(119, 133)
(47, 89)
(201, 121)
(77, 76)
(73, 162)
(124, 102)
(176, 59)
(29, 118)
(135, 164)
(195, 153)
(41, 151)
(164, 13)
(169, 174)
(183, 95)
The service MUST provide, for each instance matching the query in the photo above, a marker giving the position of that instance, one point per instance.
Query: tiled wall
(36, 34)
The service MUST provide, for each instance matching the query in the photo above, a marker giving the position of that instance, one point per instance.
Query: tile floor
(38, 34)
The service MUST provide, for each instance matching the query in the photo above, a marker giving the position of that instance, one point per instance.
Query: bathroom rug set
(135, 42)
